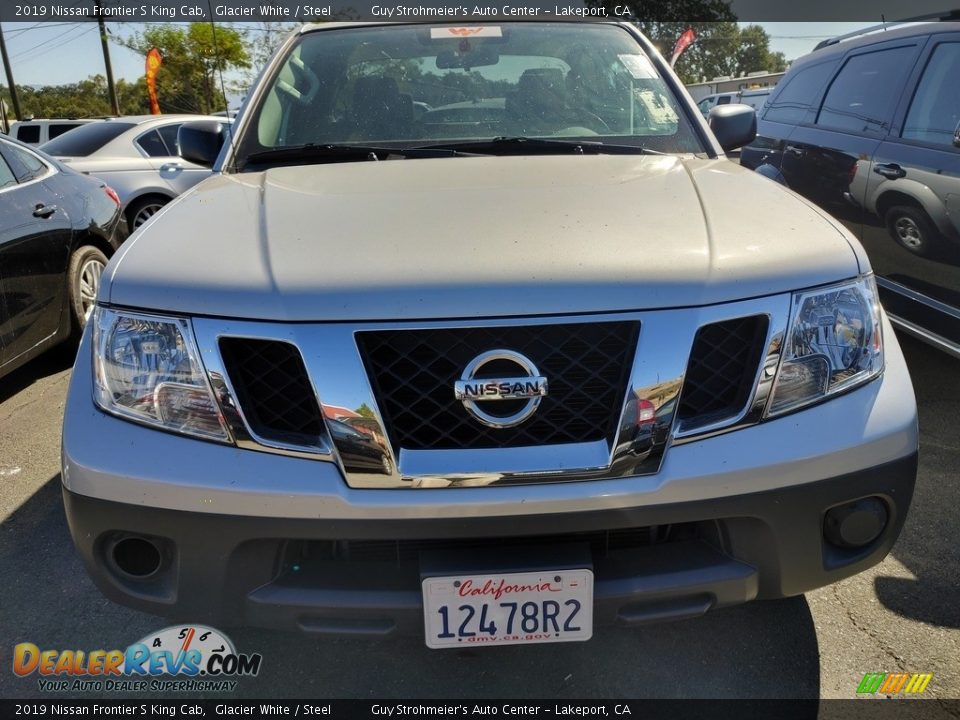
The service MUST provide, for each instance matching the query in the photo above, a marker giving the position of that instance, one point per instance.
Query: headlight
(833, 343)
(147, 369)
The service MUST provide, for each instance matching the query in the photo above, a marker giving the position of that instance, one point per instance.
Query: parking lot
(901, 616)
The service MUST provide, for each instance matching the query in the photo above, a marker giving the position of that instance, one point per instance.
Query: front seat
(380, 111)
(539, 104)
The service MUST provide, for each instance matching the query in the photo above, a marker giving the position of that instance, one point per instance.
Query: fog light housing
(856, 524)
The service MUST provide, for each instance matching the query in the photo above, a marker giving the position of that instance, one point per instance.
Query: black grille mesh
(413, 374)
(602, 543)
(273, 389)
(723, 366)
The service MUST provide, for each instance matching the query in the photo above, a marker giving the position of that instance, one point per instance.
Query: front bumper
(331, 577)
(249, 538)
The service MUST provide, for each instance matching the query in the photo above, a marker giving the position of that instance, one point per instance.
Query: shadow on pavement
(51, 362)
(928, 545)
(760, 650)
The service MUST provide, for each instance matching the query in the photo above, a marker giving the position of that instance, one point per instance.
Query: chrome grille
(413, 374)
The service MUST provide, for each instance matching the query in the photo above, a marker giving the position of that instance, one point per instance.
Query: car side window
(28, 133)
(169, 135)
(793, 102)
(152, 144)
(862, 96)
(723, 100)
(58, 129)
(934, 114)
(7, 178)
(26, 165)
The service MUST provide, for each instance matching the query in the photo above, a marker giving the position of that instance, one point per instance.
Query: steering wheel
(579, 118)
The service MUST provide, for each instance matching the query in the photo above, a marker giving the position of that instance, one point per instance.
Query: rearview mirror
(478, 56)
(734, 125)
(200, 141)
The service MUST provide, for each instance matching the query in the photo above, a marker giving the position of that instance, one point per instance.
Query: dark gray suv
(869, 129)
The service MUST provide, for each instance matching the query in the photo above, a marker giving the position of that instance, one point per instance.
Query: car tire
(913, 230)
(83, 283)
(143, 209)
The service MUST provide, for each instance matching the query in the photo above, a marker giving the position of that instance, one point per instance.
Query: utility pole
(106, 61)
(6, 67)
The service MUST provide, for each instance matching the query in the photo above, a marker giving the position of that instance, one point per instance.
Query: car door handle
(796, 151)
(891, 171)
(44, 211)
(167, 167)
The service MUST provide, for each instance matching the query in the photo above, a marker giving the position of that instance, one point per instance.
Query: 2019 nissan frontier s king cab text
(469, 338)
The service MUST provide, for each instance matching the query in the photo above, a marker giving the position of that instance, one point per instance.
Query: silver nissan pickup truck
(470, 337)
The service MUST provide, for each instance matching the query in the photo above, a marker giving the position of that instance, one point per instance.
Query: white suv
(494, 371)
(37, 132)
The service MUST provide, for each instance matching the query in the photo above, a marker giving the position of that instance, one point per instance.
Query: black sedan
(57, 230)
(868, 128)
(359, 451)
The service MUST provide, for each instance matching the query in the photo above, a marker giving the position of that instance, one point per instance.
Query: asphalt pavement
(901, 616)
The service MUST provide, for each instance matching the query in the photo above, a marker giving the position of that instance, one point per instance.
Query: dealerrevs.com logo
(200, 658)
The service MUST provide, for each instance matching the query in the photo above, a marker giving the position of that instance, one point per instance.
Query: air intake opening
(273, 390)
(722, 369)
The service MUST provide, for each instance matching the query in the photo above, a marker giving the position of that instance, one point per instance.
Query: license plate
(508, 608)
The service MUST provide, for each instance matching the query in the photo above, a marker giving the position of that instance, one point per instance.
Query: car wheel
(83, 276)
(912, 230)
(142, 210)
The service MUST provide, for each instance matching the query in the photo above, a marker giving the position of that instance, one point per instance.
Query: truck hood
(476, 237)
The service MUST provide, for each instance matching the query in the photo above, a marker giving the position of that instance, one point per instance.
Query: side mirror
(734, 125)
(200, 141)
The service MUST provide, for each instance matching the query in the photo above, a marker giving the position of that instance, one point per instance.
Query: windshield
(420, 85)
(85, 140)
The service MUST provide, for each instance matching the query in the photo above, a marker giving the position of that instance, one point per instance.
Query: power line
(57, 47)
(30, 50)
(20, 31)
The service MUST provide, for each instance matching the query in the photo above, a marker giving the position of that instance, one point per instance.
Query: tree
(87, 98)
(365, 411)
(194, 59)
(264, 38)
(754, 52)
(721, 47)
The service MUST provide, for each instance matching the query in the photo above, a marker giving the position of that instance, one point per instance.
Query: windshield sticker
(447, 33)
(639, 66)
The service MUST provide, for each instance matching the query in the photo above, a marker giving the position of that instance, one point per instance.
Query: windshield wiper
(313, 153)
(521, 145)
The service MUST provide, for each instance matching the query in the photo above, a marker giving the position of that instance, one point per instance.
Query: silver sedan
(137, 156)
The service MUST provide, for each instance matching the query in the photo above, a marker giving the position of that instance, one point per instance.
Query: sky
(58, 53)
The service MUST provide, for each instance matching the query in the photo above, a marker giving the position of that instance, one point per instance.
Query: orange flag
(153, 64)
(683, 42)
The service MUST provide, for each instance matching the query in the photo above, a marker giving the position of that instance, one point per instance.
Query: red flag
(683, 42)
(153, 64)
